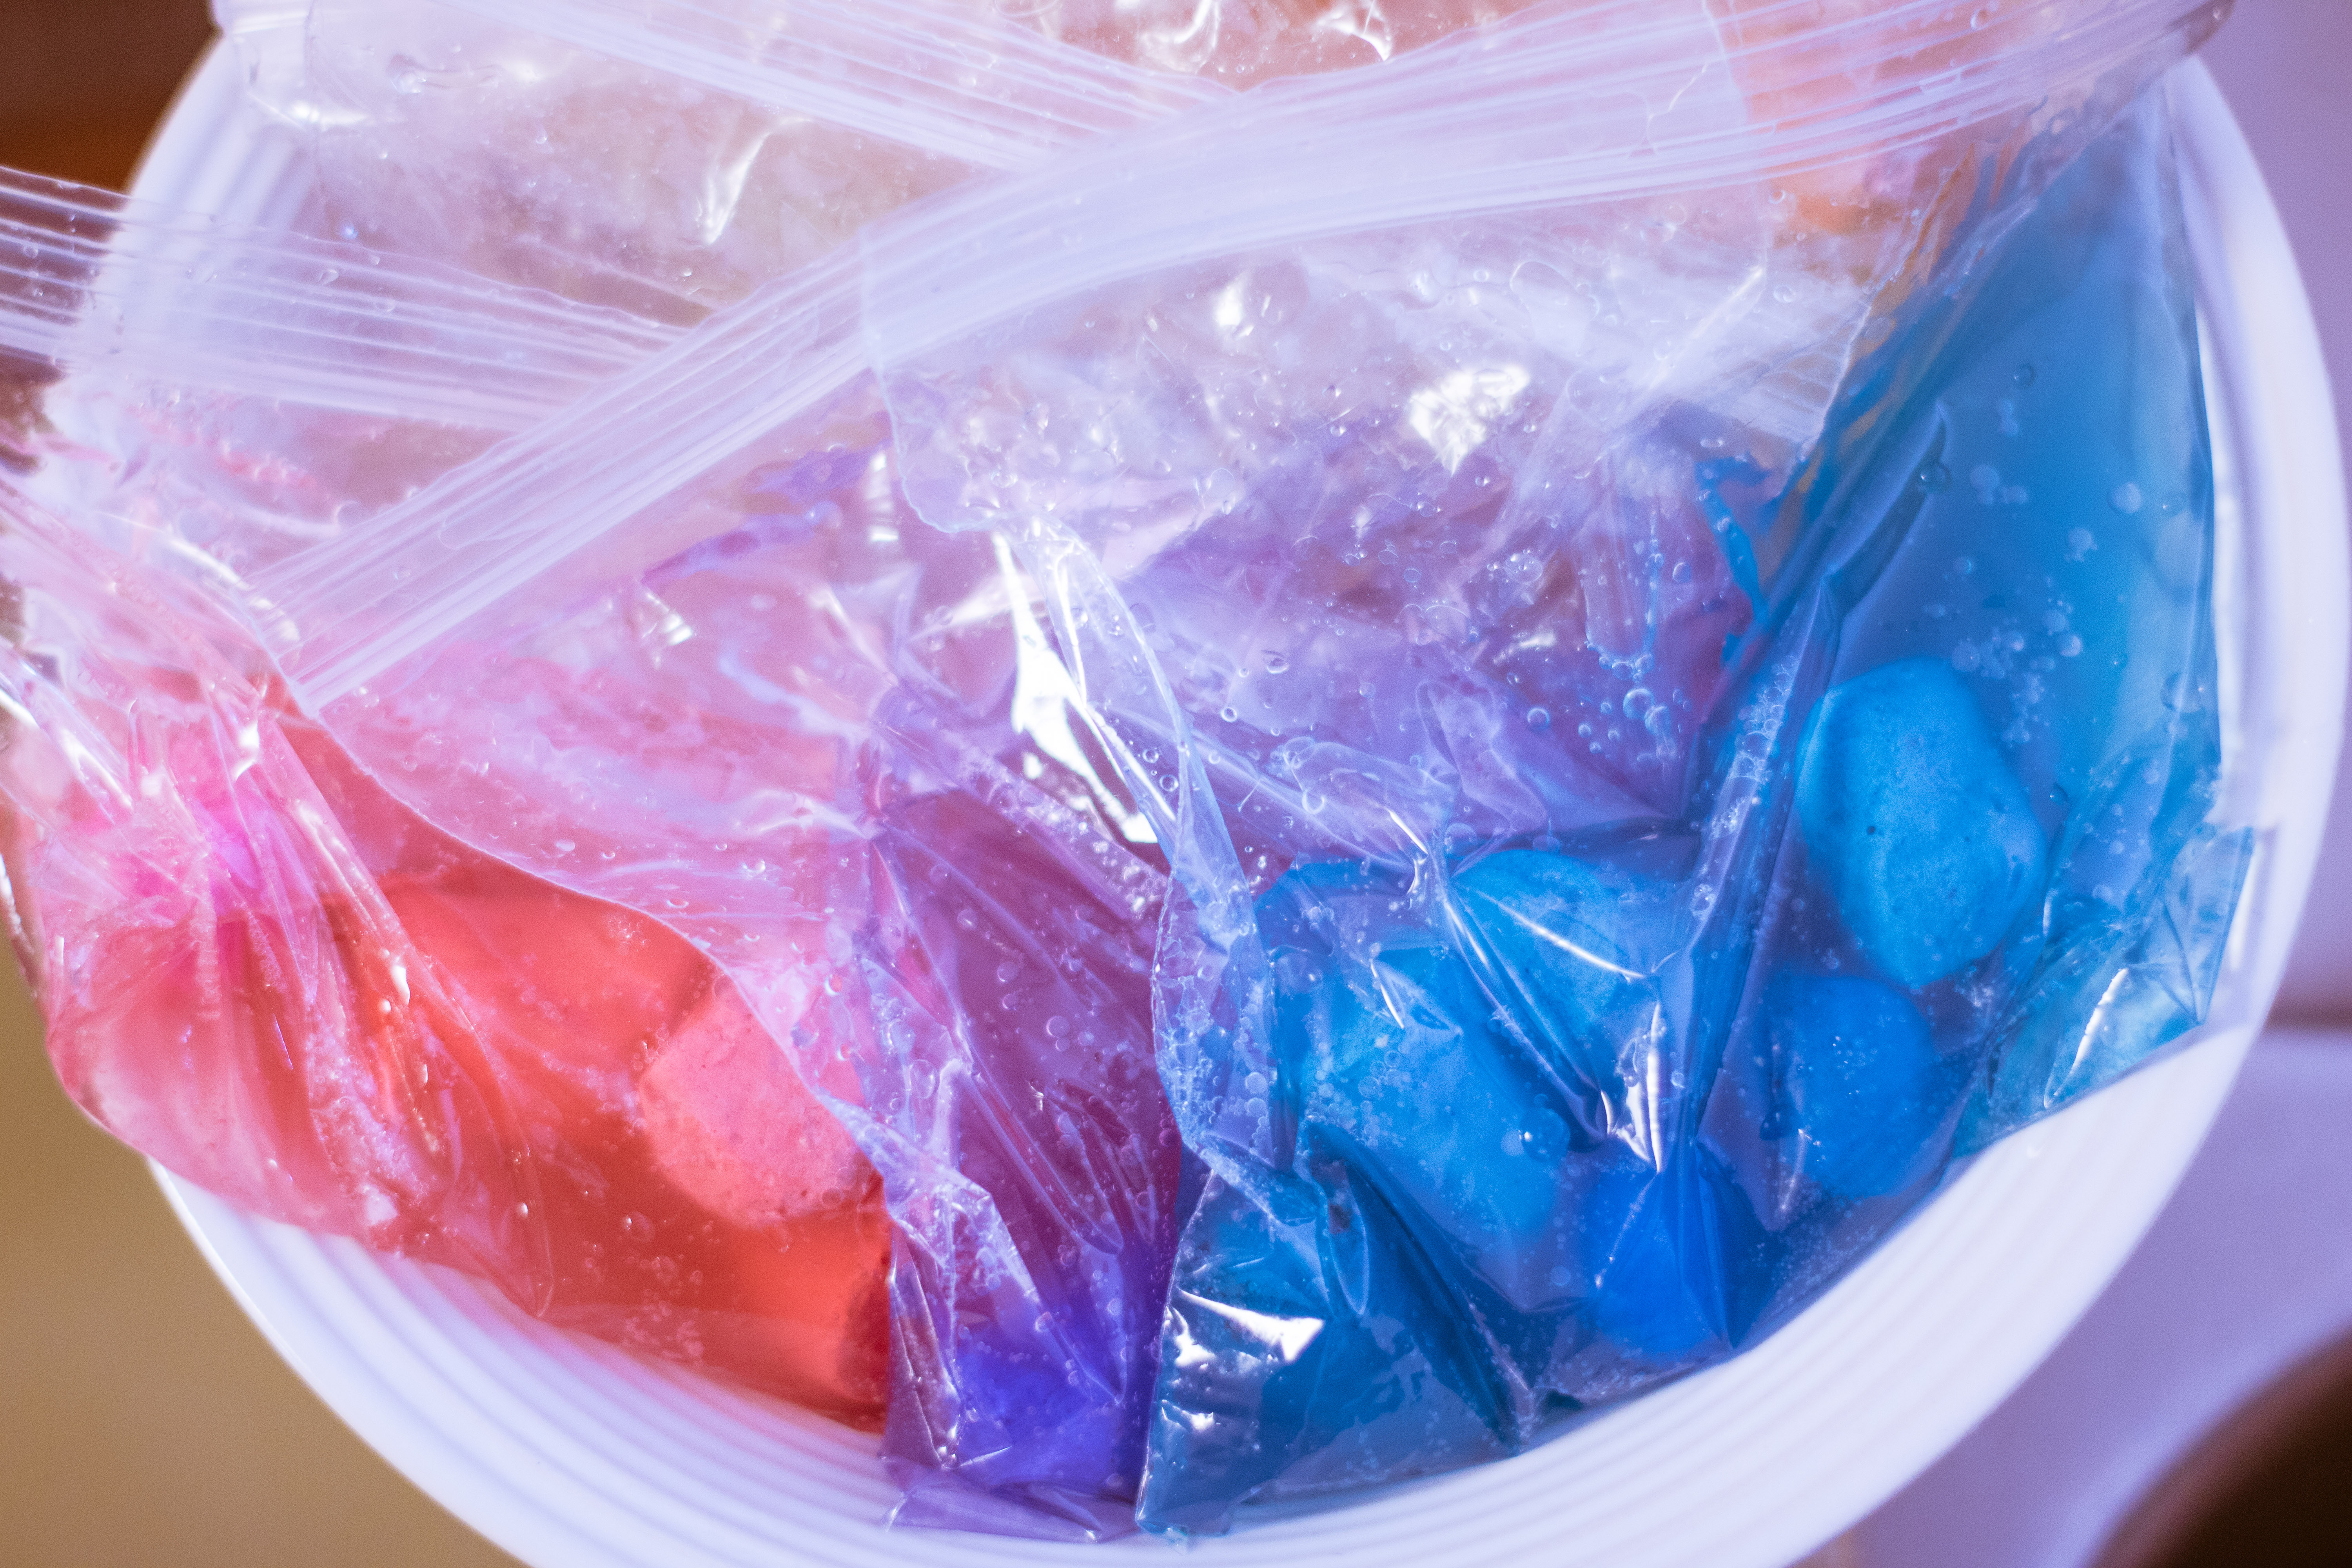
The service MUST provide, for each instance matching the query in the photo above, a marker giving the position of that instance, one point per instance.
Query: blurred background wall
(143, 1424)
(2283, 65)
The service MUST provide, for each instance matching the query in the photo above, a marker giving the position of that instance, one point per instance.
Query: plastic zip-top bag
(935, 891)
(1500, 641)
(962, 1401)
(1666, 620)
(1348, 590)
(1556, 1106)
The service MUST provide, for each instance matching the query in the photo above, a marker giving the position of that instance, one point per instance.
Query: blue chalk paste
(1914, 822)
(1417, 1075)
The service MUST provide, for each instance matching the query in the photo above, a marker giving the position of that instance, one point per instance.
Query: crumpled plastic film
(2063, 397)
(1241, 43)
(260, 969)
(195, 863)
(1454, 626)
(669, 157)
(1403, 749)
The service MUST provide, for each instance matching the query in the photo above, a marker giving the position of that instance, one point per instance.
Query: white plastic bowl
(571, 1453)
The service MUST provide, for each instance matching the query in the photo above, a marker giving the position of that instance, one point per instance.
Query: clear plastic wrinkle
(211, 400)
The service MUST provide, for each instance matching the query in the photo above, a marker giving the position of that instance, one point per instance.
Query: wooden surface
(81, 81)
(143, 1422)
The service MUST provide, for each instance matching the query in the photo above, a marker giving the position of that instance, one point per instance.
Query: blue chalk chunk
(1915, 823)
(1422, 1085)
(1640, 1299)
(1398, 1055)
(1573, 945)
(1863, 1083)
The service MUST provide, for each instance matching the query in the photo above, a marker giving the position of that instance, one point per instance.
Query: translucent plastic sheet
(670, 157)
(666, 158)
(214, 400)
(1435, 606)
(1242, 42)
(837, 750)
(260, 969)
